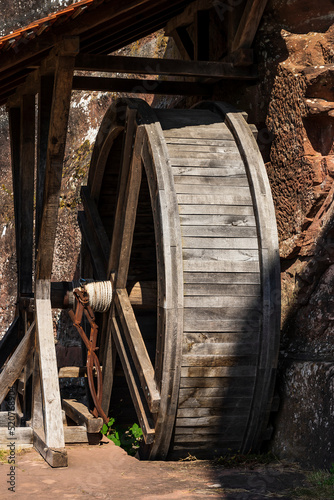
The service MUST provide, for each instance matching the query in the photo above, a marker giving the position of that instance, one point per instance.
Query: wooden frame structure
(41, 74)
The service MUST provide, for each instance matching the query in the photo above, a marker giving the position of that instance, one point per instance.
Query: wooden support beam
(150, 66)
(183, 42)
(15, 365)
(26, 211)
(9, 341)
(138, 350)
(44, 113)
(23, 437)
(14, 115)
(249, 24)
(202, 35)
(56, 457)
(80, 414)
(54, 434)
(55, 155)
(187, 16)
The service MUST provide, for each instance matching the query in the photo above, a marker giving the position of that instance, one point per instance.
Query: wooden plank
(216, 199)
(211, 421)
(217, 290)
(220, 371)
(207, 185)
(75, 434)
(201, 352)
(80, 414)
(9, 341)
(56, 457)
(54, 162)
(138, 86)
(210, 132)
(222, 301)
(138, 350)
(54, 434)
(148, 431)
(229, 149)
(212, 402)
(209, 171)
(222, 278)
(9, 416)
(14, 115)
(224, 385)
(198, 340)
(209, 160)
(220, 255)
(212, 412)
(183, 42)
(150, 66)
(15, 365)
(229, 231)
(212, 190)
(216, 210)
(26, 215)
(211, 440)
(207, 325)
(214, 358)
(213, 220)
(23, 437)
(222, 243)
(240, 315)
(45, 96)
(241, 389)
(249, 24)
(192, 143)
(224, 266)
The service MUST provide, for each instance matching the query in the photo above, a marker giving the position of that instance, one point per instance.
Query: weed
(246, 460)
(321, 486)
(129, 439)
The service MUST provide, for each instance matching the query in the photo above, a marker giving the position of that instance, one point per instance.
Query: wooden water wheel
(178, 207)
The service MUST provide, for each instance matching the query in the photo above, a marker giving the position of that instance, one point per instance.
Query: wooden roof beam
(150, 66)
(249, 24)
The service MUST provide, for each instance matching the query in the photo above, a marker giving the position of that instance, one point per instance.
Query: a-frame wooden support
(54, 97)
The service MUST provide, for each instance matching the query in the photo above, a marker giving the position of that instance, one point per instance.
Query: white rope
(100, 295)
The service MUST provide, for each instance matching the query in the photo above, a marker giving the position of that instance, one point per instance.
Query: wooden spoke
(128, 191)
(138, 349)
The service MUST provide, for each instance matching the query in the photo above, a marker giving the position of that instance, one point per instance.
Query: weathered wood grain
(15, 365)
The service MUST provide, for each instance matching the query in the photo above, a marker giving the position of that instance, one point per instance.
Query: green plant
(129, 439)
(321, 486)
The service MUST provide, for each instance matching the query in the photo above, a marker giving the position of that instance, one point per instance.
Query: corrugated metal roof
(103, 26)
(36, 28)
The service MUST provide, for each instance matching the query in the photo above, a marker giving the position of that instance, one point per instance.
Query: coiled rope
(100, 295)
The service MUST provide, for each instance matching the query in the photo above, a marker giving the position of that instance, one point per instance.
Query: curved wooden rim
(270, 268)
(150, 149)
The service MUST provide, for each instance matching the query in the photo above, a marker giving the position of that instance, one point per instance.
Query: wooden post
(44, 112)
(26, 204)
(15, 138)
(53, 444)
(55, 154)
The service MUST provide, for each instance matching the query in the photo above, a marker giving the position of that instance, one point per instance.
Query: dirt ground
(107, 472)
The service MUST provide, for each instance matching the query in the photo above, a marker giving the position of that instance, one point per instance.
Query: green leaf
(104, 429)
(111, 421)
